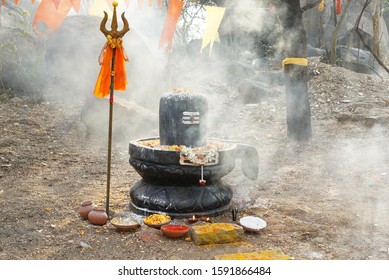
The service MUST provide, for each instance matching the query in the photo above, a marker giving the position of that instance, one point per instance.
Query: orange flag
(76, 4)
(103, 82)
(173, 13)
(338, 7)
(15, 1)
(51, 15)
(56, 3)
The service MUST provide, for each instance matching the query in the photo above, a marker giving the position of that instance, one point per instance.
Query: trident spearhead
(114, 25)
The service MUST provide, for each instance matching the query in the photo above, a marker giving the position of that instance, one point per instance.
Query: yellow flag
(212, 23)
(97, 8)
(321, 5)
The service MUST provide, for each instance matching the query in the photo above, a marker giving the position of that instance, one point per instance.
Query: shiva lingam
(181, 169)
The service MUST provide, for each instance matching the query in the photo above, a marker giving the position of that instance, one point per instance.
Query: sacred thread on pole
(112, 76)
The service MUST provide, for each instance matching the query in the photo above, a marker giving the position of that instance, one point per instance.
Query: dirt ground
(322, 199)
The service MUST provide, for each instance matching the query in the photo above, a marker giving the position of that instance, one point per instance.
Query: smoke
(336, 172)
(71, 54)
(248, 16)
(71, 57)
(358, 177)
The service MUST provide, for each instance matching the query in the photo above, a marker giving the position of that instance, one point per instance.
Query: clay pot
(98, 216)
(85, 208)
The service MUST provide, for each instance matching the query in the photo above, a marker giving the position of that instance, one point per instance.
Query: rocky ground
(322, 199)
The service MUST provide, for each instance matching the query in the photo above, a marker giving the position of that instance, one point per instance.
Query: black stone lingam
(182, 119)
(182, 169)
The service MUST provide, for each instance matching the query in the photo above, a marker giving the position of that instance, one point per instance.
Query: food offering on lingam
(196, 156)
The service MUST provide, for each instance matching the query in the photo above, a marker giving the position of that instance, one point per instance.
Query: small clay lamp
(193, 219)
(206, 219)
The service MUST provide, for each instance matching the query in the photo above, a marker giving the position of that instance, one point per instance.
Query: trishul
(114, 40)
(114, 25)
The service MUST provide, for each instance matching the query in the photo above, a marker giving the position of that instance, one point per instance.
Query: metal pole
(114, 34)
(111, 98)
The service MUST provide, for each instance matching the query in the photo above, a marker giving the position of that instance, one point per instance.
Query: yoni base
(180, 201)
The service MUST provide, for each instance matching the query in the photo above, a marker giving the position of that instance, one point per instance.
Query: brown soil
(322, 199)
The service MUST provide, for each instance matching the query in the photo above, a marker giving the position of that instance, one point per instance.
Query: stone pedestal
(180, 201)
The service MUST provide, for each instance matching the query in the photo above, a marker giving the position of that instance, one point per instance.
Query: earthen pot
(98, 216)
(175, 231)
(85, 208)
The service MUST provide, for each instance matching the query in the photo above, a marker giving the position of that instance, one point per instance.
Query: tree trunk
(298, 112)
(335, 33)
(377, 15)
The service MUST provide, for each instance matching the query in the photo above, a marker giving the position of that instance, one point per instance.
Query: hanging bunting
(56, 3)
(103, 82)
(214, 17)
(338, 7)
(76, 4)
(51, 12)
(173, 14)
(99, 6)
(51, 15)
(140, 3)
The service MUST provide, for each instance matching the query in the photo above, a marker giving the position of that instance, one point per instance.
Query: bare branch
(358, 31)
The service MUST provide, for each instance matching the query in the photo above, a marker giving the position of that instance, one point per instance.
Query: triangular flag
(76, 4)
(321, 5)
(99, 6)
(338, 7)
(51, 15)
(173, 14)
(212, 23)
(56, 3)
